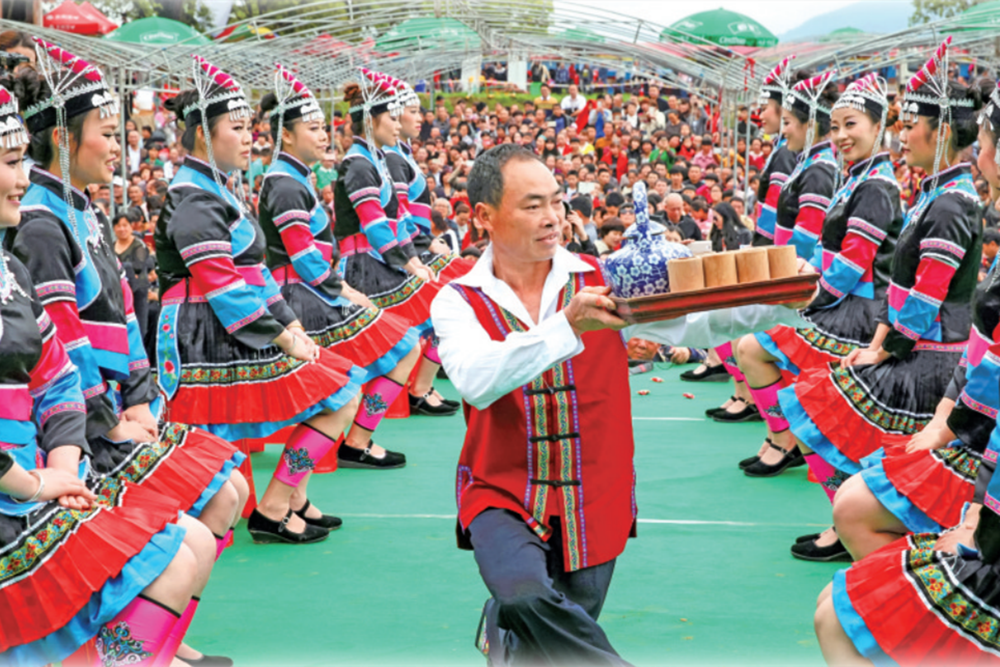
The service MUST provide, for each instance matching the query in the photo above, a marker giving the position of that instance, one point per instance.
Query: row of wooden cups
(749, 265)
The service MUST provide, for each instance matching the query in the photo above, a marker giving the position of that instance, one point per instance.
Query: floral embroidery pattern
(959, 460)
(825, 343)
(931, 574)
(298, 460)
(118, 648)
(260, 372)
(374, 404)
(408, 289)
(871, 411)
(345, 330)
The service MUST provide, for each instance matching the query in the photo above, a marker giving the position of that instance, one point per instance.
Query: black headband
(86, 98)
(915, 104)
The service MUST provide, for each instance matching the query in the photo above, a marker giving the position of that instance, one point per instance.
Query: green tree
(192, 12)
(930, 10)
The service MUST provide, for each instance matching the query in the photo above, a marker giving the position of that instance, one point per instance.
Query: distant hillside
(877, 16)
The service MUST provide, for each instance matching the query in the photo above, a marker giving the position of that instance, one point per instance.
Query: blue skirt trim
(138, 573)
(912, 517)
(804, 429)
(855, 626)
(233, 432)
(424, 328)
(783, 362)
(220, 478)
(391, 359)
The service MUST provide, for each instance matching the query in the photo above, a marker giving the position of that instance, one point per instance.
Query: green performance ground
(709, 580)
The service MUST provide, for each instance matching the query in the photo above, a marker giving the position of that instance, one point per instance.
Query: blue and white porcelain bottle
(640, 267)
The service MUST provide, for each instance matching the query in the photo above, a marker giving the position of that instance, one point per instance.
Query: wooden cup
(686, 274)
(751, 265)
(720, 269)
(782, 261)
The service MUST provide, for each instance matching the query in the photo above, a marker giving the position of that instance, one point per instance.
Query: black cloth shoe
(710, 374)
(348, 457)
(265, 531)
(207, 661)
(448, 401)
(747, 414)
(420, 406)
(711, 412)
(761, 469)
(325, 521)
(808, 550)
(749, 461)
(811, 537)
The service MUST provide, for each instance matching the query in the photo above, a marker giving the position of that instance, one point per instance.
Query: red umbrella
(107, 25)
(69, 18)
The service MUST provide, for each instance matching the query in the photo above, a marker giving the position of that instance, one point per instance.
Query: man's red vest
(560, 446)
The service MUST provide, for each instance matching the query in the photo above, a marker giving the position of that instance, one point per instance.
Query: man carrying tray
(545, 484)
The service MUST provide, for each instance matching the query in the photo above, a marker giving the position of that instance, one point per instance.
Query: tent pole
(122, 78)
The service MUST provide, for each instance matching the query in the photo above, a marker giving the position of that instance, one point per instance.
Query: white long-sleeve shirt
(483, 370)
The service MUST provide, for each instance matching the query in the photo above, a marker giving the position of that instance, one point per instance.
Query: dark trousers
(539, 613)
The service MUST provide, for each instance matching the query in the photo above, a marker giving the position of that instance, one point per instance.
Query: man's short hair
(614, 198)
(486, 178)
(582, 205)
(678, 170)
(991, 235)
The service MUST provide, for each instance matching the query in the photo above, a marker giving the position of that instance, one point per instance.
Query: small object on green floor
(643, 392)
(658, 380)
(687, 395)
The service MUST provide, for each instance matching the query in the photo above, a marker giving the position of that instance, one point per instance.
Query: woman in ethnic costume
(81, 554)
(378, 256)
(891, 388)
(924, 487)
(801, 209)
(414, 198)
(233, 358)
(303, 258)
(926, 598)
(70, 255)
(858, 238)
(782, 160)
(780, 165)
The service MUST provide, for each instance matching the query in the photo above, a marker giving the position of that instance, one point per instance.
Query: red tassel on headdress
(867, 82)
(299, 87)
(75, 63)
(930, 68)
(775, 75)
(217, 75)
(816, 83)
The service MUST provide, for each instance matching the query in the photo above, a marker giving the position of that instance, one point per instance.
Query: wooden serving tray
(668, 306)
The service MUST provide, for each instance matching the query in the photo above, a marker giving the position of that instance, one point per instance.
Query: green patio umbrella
(429, 33)
(984, 16)
(157, 31)
(844, 35)
(721, 27)
(581, 35)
